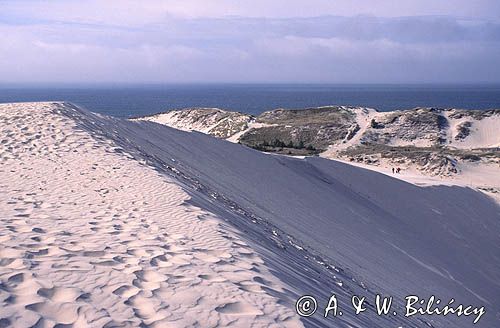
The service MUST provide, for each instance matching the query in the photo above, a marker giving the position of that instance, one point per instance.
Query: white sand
(91, 237)
(174, 119)
(482, 177)
(484, 133)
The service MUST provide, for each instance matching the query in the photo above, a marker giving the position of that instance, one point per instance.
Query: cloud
(167, 41)
(361, 61)
(132, 12)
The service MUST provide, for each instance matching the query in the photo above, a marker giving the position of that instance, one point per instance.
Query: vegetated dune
(339, 125)
(431, 142)
(109, 221)
(213, 121)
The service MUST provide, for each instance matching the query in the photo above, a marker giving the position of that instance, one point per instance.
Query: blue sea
(138, 100)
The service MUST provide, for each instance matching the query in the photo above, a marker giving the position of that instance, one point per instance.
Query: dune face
(109, 222)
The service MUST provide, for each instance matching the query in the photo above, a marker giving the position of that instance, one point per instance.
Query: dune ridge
(92, 238)
(281, 227)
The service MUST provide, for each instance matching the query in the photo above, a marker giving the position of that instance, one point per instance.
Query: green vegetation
(289, 147)
(375, 125)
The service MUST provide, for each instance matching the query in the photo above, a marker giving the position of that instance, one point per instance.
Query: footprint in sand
(239, 308)
(61, 313)
(4, 322)
(16, 278)
(94, 253)
(60, 294)
(126, 291)
(212, 278)
(144, 307)
(160, 261)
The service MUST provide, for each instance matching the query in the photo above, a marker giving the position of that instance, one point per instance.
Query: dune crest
(94, 238)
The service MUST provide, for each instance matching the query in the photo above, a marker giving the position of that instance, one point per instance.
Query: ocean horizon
(131, 100)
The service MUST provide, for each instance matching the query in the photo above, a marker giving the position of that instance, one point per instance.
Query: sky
(254, 41)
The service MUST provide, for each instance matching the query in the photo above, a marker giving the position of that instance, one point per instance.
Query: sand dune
(438, 146)
(112, 223)
(92, 238)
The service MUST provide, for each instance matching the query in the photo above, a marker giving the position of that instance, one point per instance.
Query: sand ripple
(92, 238)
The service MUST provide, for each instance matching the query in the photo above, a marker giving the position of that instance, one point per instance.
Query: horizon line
(295, 83)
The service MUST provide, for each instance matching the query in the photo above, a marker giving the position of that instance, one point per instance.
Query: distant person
(392, 170)
(398, 170)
